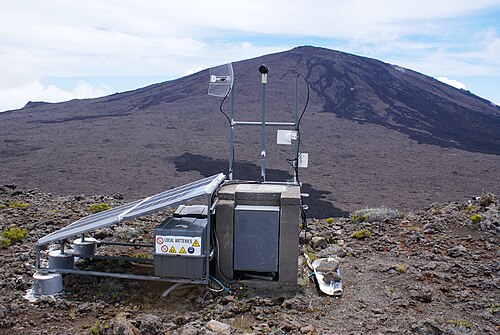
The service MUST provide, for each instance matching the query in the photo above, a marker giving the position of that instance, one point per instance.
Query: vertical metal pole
(37, 257)
(62, 247)
(263, 140)
(296, 141)
(231, 137)
(83, 237)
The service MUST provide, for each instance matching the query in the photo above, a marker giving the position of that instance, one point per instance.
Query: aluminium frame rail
(263, 124)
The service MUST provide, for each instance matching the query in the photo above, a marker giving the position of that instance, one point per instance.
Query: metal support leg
(263, 139)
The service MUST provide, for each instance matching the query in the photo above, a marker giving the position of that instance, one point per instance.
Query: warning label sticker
(179, 245)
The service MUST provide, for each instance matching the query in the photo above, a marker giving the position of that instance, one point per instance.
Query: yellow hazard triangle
(172, 250)
(196, 243)
(182, 251)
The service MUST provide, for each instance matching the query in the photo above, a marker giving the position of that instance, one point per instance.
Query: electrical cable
(219, 270)
(303, 214)
(222, 103)
(223, 287)
(297, 128)
(307, 99)
(228, 120)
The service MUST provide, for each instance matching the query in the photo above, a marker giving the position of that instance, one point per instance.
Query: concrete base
(287, 197)
(47, 283)
(58, 260)
(87, 247)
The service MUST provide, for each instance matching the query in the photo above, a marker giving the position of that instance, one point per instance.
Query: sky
(58, 50)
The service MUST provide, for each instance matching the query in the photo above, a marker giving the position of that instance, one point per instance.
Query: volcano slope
(376, 134)
(432, 271)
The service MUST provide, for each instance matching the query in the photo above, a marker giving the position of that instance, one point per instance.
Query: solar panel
(137, 208)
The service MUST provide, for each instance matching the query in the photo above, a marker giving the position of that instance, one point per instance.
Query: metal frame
(263, 124)
(211, 202)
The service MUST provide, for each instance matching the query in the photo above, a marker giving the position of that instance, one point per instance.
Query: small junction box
(181, 247)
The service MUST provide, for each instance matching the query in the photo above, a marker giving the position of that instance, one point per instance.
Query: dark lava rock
(421, 294)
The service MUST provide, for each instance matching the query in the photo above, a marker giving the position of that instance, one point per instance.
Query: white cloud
(17, 97)
(91, 38)
(452, 82)
(191, 71)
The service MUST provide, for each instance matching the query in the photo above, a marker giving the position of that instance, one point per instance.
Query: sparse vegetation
(96, 208)
(4, 242)
(96, 328)
(357, 217)
(2, 206)
(476, 218)
(377, 214)
(362, 234)
(12, 235)
(494, 307)
(312, 256)
(125, 232)
(18, 204)
(461, 323)
(141, 255)
(329, 220)
(415, 229)
(402, 268)
(470, 208)
(111, 291)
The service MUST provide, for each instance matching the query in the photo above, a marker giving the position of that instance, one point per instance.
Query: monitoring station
(223, 230)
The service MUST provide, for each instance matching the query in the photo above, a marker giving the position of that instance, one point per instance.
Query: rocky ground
(433, 271)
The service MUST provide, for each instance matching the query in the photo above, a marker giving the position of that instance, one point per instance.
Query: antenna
(221, 80)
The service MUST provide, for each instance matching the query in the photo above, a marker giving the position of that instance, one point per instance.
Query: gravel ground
(432, 271)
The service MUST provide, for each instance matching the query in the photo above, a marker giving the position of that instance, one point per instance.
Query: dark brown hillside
(367, 90)
(376, 134)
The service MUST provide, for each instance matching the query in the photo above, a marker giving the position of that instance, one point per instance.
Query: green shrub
(96, 328)
(362, 234)
(476, 218)
(96, 208)
(358, 217)
(141, 255)
(5, 242)
(402, 268)
(18, 204)
(329, 220)
(2, 206)
(470, 208)
(15, 234)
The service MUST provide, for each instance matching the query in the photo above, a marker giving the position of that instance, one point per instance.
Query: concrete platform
(287, 197)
